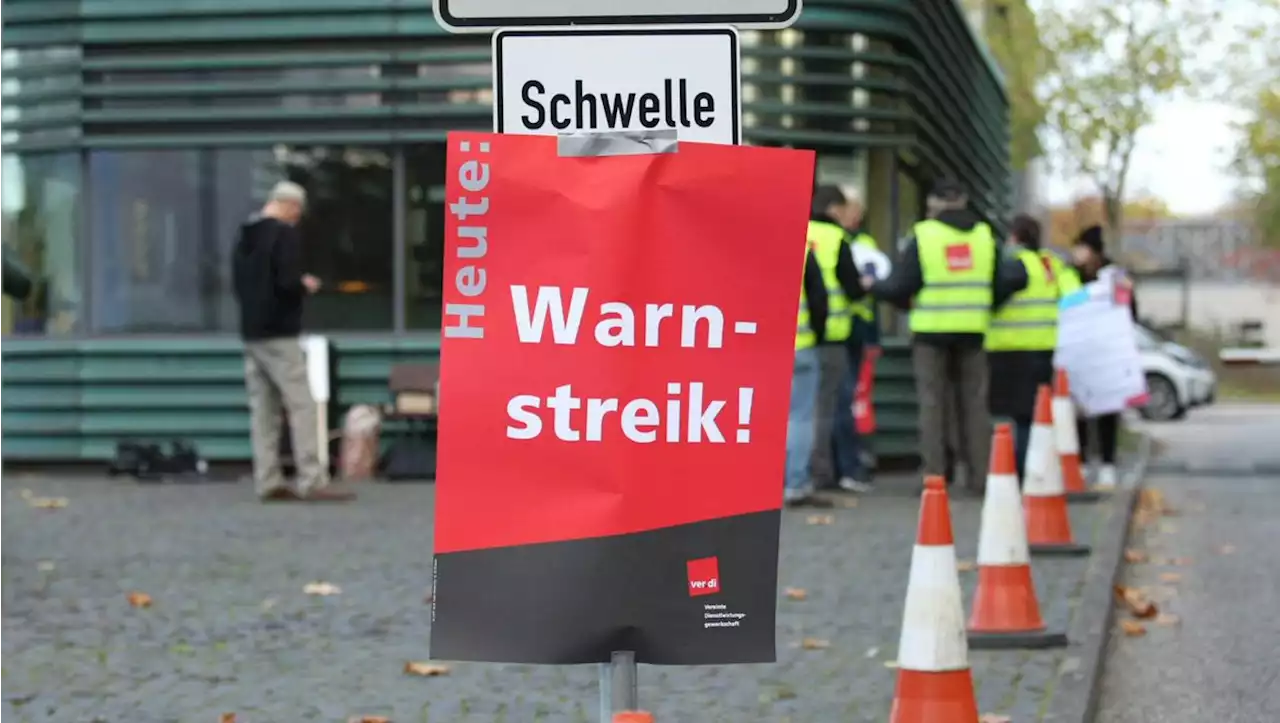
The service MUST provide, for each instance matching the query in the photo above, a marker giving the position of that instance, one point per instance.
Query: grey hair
(852, 194)
(290, 192)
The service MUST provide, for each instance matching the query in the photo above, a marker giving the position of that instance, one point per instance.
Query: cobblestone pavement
(231, 630)
(1214, 567)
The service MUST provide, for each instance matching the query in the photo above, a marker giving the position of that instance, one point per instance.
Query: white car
(1178, 378)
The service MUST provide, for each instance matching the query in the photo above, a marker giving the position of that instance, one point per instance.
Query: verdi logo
(704, 576)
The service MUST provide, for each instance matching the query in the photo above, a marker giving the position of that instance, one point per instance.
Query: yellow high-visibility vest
(957, 268)
(864, 307)
(805, 338)
(825, 239)
(1029, 320)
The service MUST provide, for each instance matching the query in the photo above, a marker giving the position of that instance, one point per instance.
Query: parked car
(1178, 378)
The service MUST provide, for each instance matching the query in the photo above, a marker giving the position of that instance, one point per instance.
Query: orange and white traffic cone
(1006, 614)
(934, 682)
(1068, 441)
(1044, 501)
(633, 716)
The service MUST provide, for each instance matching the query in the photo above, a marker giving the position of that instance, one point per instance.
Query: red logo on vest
(959, 257)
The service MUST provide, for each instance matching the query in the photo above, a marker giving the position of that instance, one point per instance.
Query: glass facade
(41, 216)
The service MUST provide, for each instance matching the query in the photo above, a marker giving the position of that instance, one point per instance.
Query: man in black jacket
(270, 288)
(951, 300)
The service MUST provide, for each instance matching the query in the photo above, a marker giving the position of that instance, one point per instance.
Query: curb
(1182, 469)
(1079, 690)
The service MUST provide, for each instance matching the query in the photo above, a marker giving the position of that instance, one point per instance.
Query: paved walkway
(230, 628)
(1213, 567)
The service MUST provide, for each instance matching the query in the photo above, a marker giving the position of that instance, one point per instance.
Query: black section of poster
(697, 594)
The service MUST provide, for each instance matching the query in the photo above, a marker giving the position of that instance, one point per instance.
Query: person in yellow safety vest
(1024, 332)
(951, 276)
(811, 326)
(836, 213)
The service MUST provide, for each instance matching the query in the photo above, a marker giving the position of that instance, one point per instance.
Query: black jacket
(906, 280)
(847, 274)
(815, 290)
(267, 271)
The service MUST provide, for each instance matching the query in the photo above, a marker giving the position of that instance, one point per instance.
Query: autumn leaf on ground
(227, 718)
(1177, 561)
(1153, 501)
(820, 519)
(47, 503)
(426, 670)
(891, 664)
(1170, 577)
(1135, 556)
(1136, 601)
(1167, 619)
(966, 566)
(139, 599)
(797, 593)
(815, 644)
(321, 588)
(1133, 628)
(1226, 549)
(847, 503)
(369, 719)
(994, 718)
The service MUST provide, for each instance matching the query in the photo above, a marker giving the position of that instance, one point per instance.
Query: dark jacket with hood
(267, 271)
(906, 280)
(847, 274)
(815, 291)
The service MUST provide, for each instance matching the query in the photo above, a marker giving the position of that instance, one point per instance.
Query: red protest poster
(618, 340)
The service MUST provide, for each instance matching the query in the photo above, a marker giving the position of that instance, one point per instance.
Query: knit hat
(1091, 238)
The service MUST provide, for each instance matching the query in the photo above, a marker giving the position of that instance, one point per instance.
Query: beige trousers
(275, 374)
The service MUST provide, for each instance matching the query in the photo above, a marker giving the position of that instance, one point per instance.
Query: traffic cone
(633, 716)
(934, 682)
(1006, 614)
(1068, 441)
(1044, 501)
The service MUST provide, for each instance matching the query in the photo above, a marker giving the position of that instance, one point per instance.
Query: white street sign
(478, 16)
(597, 80)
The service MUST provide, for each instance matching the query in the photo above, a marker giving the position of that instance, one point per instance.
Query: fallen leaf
(268, 603)
(1153, 501)
(1135, 556)
(45, 566)
(847, 503)
(426, 670)
(1170, 577)
(873, 652)
(820, 519)
(1167, 619)
(966, 566)
(369, 719)
(994, 718)
(1136, 601)
(891, 664)
(139, 599)
(1177, 561)
(47, 503)
(815, 644)
(1133, 628)
(797, 593)
(321, 588)
(227, 718)
(1226, 549)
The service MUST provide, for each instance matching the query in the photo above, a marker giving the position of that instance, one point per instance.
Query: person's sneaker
(810, 500)
(328, 493)
(857, 486)
(279, 494)
(1107, 476)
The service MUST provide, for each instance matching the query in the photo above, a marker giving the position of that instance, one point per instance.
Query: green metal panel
(181, 73)
(72, 401)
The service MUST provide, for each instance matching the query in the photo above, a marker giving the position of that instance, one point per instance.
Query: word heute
(687, 416)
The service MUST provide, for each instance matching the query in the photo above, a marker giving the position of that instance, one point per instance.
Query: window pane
(165, 224)
(424, 235)
(346, 233)
(41, 227)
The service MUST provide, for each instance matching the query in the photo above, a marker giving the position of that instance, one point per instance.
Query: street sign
(598, 80)
(480, 16)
